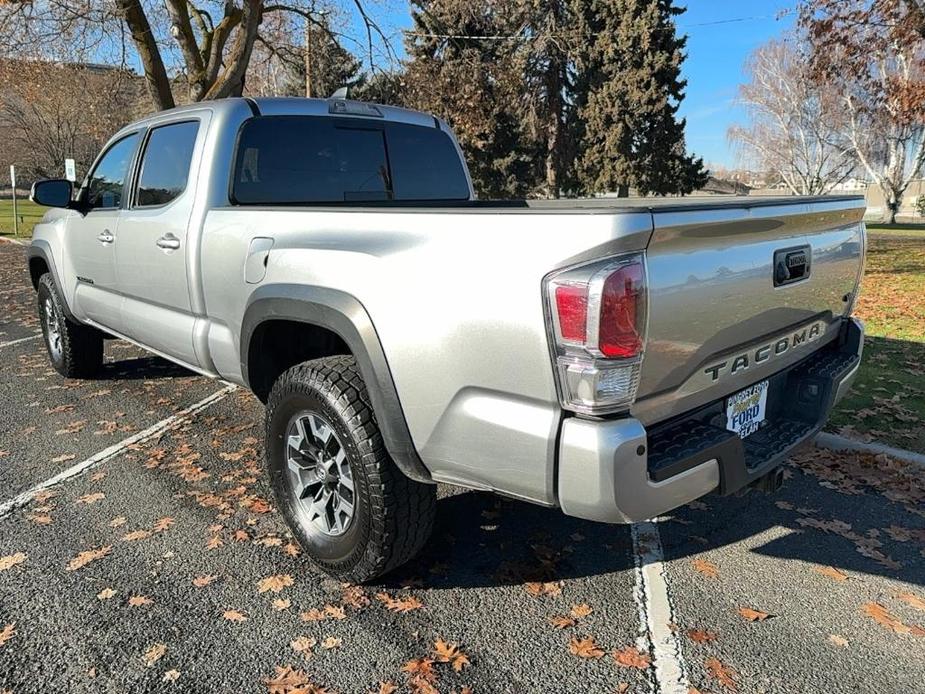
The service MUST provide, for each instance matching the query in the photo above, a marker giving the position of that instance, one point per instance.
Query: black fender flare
(345, 316)
(39, 248)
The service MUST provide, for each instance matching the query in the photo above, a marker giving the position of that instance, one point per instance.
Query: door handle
(105, 237)
(168, 242)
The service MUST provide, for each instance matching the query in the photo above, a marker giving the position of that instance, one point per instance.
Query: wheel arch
(338, 314)
(41, 261)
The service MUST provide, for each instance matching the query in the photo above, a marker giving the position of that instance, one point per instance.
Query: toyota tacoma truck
(614, 358)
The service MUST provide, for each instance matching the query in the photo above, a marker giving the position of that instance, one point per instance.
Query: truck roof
(301, 106)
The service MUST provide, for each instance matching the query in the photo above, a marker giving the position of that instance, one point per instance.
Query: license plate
(745, 411)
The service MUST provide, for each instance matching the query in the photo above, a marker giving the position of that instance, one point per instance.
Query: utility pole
(15, 211)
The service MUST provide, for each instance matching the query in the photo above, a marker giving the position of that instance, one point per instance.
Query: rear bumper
(617, 471)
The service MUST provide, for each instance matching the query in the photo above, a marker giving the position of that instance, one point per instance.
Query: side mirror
(56, 192)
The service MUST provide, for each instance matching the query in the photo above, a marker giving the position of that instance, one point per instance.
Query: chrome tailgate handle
(168, 242)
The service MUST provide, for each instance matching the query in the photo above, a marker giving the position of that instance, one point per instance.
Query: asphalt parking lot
(140, 552)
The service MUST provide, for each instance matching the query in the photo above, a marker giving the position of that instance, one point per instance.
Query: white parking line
(16, 342)
(656, 620)
(107, 454)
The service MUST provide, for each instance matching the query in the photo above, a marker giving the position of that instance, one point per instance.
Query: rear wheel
(75, 350)
(356, 515)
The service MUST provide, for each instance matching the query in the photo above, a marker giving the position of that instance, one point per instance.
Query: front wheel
(75, 350)
(356, 515)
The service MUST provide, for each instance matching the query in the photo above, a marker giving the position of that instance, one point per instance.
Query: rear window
(301, 160)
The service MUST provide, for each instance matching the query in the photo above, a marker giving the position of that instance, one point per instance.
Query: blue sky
(716, 54)
(721, 34)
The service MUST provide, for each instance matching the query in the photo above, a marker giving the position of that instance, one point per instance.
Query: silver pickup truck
(614, 358)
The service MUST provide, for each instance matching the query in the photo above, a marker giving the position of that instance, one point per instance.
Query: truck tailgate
(723, 314)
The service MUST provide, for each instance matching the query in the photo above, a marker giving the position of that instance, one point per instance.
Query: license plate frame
(747, 410)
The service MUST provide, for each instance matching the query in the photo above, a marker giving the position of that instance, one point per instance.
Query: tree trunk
(156, 79)
(553, 129)
(308, 60)
(623, 191)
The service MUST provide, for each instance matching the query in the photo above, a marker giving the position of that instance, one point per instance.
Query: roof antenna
(342, 93)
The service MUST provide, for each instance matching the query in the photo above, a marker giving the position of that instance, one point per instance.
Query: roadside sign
(15, 209)
(70, 171)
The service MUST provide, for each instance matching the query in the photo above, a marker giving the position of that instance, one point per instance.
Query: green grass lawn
(888, 399)
(30, 214)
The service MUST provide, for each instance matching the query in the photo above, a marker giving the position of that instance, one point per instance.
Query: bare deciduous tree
(53, 111)
(797, 125)
(873, 53)
(207, 43)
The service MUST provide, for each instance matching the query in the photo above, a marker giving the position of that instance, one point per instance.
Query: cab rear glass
(305, 160)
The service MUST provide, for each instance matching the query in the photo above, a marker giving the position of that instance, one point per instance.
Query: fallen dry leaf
(912, 599)
(274, 583)
(831, 572)
(63, 458)
(753, 615)
(118, 521)
(632, 657)
(280, 604)
(136, 535)
(335, 612)
(584, 648)
(837, 640)
(7, 632)
(445, 652)
(214, 542)
(153, 654)
(287, 680)
(40, 518)
(331, 642)
(399, 604)
(106, 594)
(9, 561)
(562, 621)
(707, 568)
(386, 688)
(84, 558)
(91, 498)
(203, 581)
(162, 524)
(355, 597)
(171, 676)
(140, 601)
(313, 615)
(538, 589)
(582, 610)
(303, 645)
(885, 618)
(234, 616)
(422, 669)
(700, 635)
(724, 675)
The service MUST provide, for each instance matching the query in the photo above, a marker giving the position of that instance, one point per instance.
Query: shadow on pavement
(483, 541)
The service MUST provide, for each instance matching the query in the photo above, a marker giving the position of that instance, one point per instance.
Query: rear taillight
(598, 314)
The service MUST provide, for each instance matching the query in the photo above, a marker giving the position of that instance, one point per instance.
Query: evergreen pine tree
(476, 85)
(629, 89)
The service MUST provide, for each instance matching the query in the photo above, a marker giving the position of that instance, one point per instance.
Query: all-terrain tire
(393, 515)
(75, 350)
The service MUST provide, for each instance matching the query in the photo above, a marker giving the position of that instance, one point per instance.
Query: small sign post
(70, 171)
(15, 211)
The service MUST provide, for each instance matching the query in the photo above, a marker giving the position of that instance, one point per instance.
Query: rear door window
(165, 164)
(292, 160)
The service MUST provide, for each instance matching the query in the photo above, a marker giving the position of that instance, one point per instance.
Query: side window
(107, 182)
(296, 160)
(300, 160)
(165, 164)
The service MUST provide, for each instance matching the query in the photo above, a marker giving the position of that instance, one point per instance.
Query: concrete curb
(835, 442)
